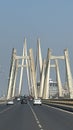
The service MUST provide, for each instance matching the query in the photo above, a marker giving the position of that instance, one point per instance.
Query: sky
(49, 20)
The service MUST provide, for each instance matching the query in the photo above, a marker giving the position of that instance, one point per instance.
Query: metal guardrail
(59, 101)
(65, 104)
(4, 100)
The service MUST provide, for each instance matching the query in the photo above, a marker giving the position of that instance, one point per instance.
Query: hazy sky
(51, 20)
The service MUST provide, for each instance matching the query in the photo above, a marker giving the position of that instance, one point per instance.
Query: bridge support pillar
(47, 76)
(68, 73)
(58, 79)
(21, 73)
(15, 76)
(42, 80)
(11, 75)
(32, 66)
(27, 68)
(39, 56)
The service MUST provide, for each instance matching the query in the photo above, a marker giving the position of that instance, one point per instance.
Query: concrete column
(38, 59)
(10, 83)
(14, 87)
(47, 76)
(42, 80)
(31, 82)
(58, 78)
(26, 61)
(39, 55)
(68, 73)
(32, 65)
(21, 73)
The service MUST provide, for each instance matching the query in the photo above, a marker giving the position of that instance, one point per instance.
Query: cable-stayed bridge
(56, 111)
(29, 62)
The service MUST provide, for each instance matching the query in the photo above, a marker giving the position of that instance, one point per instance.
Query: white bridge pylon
(45, 67)
(14, 69)
(22, 67)
(28, 62)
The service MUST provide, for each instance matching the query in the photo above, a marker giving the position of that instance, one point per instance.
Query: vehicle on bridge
(24, 101)
(18, 99)
(37, 101)
(10, 102)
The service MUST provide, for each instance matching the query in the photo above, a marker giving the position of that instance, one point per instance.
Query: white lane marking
(40, 126)
(7, 109)
(35, 116)
(38, 122)
(59, 109)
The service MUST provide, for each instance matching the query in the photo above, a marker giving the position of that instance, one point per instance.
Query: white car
(18, 99)
(37, 102)
(10, 102)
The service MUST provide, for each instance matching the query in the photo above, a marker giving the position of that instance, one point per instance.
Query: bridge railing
(59, 101)
(4, 100)
(65, 104)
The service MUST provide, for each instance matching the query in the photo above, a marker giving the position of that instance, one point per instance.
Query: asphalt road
(29, 117)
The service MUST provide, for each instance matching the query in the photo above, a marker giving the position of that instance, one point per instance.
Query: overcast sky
(51, 20)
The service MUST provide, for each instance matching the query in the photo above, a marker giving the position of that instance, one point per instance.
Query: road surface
(29, 117)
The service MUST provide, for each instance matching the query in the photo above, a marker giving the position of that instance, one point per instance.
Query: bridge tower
(46, 93)
(13, 71)
(24, 58)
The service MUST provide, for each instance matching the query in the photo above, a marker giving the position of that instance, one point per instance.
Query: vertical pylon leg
(68, 73)
(21, 73)
(32, 65)
(58, 79)
(30, 77)
(39, 56)
(26, 61)
(47, 76)
(38, 59)
(42, 80)
(16, 69)
(10, 83)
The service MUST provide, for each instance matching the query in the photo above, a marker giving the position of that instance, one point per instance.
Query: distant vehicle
(30, 98)
(18, 99)
(10, 102)
(37, 101)
(24, 101)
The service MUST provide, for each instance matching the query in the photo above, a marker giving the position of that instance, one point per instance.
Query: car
(24, 101)
(18, 99)
(10, 102)
(37, 101)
